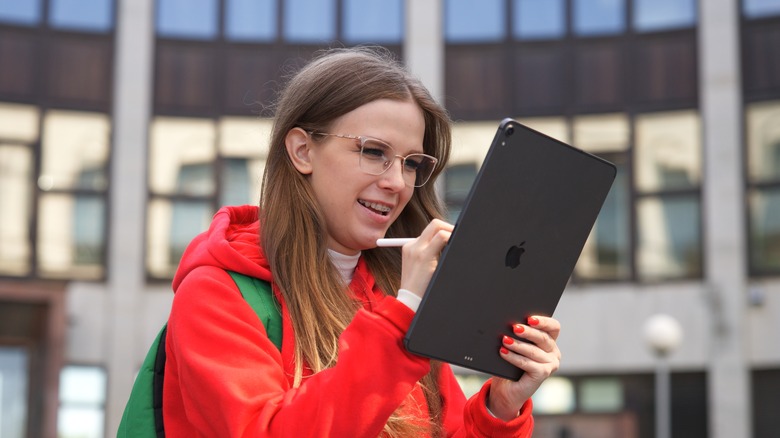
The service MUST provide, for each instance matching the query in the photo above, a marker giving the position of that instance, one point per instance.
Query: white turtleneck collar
(345, 264)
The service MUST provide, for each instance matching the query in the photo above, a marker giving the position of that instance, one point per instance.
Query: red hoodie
(224, 377)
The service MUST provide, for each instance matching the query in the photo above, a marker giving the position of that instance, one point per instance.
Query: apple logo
(512, 259)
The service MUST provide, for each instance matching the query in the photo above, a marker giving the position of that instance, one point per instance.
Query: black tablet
(514, 247)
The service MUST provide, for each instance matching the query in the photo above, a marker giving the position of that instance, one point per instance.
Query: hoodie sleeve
(225, 378)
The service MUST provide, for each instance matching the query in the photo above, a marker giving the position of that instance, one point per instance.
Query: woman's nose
(394, 176)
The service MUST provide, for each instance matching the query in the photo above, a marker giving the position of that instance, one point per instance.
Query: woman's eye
(412, 164)
(373, 152)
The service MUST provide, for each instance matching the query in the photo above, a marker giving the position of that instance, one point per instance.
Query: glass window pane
(373, 21)
(555, 396)
(458, 180)
(471, 383)
(26, 12)
(601, 133)
(763, 138)
(474, 21)
(80, 422)
(606, 254)
(599, 17)
(75, 151)
(171, 226)
(539, 19)
(181, 156)
(244, 143)
(601, 395)
(651, 15)
(555, 127)
(669, 238)
(765, 230)
(471, 141)
(760, 8)
(195, 19)
(251, 20)
(668, 151)
(90, 15)
(18, 122)
(309, 21)
(83, 385)
(14, 381)
(16, 167)
(71, 235)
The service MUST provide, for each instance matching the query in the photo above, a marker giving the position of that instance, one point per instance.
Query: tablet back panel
(514, 247)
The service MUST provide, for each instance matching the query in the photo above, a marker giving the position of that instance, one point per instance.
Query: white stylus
(393, 242)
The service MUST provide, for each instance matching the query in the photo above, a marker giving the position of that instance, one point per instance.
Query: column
(424, 45)
(723, 207)
(134, 52)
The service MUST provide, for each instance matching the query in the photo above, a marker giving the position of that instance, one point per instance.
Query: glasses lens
(376, 157)
(421, 166)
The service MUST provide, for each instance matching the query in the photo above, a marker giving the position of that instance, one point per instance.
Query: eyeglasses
(377, 156)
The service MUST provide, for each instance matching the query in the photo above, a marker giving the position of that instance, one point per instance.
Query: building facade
(125, 124)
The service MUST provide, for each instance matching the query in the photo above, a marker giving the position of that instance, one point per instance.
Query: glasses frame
(361, 141)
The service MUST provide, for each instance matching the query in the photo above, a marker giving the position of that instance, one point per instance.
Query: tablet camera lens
(510, 130)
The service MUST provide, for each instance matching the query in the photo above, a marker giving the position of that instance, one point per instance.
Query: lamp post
(663, 334)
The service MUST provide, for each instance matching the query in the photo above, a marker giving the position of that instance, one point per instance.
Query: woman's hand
(538, 359)
(421, 256)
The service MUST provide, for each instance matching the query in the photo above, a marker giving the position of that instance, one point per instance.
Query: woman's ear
(297, 143)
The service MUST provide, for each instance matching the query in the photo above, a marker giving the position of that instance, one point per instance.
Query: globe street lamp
(663, 334)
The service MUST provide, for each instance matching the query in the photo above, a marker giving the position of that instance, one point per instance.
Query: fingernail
(518, 329)
(508, 341)
(532, 320)
(504, 350)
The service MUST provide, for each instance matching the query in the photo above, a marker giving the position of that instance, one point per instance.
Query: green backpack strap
(260, 296)
(142, 417)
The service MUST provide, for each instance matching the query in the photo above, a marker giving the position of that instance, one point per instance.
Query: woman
(356, 147)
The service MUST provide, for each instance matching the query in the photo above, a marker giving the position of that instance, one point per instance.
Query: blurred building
(125, 124)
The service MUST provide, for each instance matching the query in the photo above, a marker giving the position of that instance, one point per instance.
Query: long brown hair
(293, 230)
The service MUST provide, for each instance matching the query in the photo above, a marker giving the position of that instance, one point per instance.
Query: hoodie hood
(232, 243)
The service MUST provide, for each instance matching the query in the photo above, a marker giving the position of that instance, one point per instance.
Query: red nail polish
(518, 329)
(508, 340)
(504, 350)
(532, 320)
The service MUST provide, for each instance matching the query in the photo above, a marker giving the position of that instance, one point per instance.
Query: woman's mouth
(377, 208)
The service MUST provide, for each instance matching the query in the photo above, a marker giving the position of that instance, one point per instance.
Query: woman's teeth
(379, 208)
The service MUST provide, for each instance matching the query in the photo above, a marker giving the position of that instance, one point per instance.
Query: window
(468, 21)
(18, 132)
(555, 396)
(763, 148)
(20, 12)
(71, 187)
(600, 395)
(251, 20)
(373, 22)
(82, 402)
(14, 382)
(73, 183)
(195, 19)
(599, 17)
(593, 395)
(538, 19)
(309, 21)
(87, 15)
(607, 252)
(195, 166)
(668, 173)
(470, 143)
(654, 15)
(760, 8)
